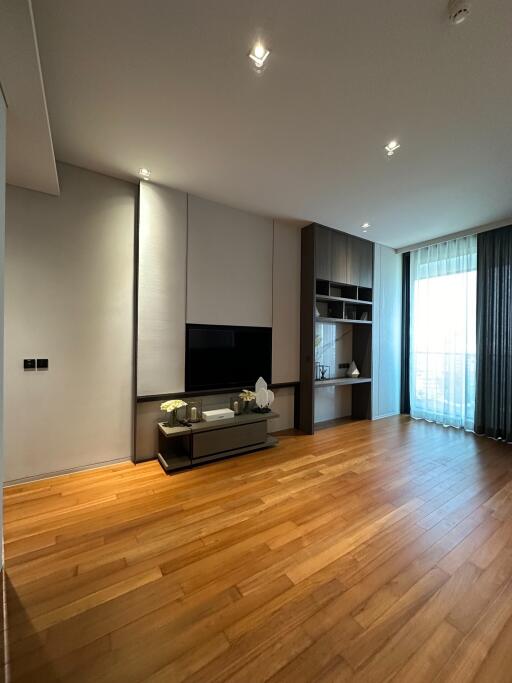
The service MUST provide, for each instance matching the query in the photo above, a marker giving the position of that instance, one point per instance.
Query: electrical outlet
(343, 366)
(42, 363)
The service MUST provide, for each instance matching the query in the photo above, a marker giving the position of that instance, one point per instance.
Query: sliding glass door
(443, 332)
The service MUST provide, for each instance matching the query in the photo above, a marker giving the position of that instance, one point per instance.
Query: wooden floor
(369, 552)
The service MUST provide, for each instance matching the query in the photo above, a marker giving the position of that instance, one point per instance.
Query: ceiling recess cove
(458, 11)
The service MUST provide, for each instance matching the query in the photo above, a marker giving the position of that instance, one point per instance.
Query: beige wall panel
(229, 266)
(69, 298)
(162, 290)
(2, 236)
(286, 303)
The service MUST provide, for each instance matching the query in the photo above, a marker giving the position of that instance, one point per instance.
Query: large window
(443, 332)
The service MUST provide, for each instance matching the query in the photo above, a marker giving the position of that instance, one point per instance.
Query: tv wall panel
(161, 290)
(229, 260)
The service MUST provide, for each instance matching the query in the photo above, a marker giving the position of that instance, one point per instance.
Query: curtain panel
(493, 415)
(443, 332)
(405, 400)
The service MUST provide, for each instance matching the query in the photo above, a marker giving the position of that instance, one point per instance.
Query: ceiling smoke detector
(458, 11)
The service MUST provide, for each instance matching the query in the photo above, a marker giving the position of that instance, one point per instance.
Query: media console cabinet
(183, 447)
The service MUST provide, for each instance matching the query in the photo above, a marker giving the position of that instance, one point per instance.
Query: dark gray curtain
(405, 401)
(493, 410)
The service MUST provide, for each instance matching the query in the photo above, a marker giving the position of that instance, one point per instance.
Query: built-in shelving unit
(344, 320)
(342, 381)
(336, 289)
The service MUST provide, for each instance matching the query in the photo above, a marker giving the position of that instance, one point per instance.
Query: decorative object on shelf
(364, 316)
(324, 372)
(247, 397)
(218, 414)
(264, 397)
(236, 405)
(171, 408)
(195, 410)
(352, 370)
(317, 370)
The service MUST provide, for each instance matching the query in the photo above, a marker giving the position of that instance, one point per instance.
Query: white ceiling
(166, 84)
(30, 158)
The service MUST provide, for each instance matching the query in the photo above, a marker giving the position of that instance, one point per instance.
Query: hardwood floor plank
(497, 664)
(473, 649)
(425, 663)
(371, 551)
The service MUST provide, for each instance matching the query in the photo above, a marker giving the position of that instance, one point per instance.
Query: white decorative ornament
(353, 371)
(264, 397)
(260, 384)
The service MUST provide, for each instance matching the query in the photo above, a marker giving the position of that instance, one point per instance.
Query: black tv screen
(223, 356)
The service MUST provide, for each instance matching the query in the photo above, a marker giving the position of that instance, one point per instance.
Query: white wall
(387, 312)
(2, 234)
(162, 290)
(69, 289)
(229, 265)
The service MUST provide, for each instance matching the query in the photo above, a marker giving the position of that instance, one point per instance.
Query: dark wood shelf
(343, 320)
(324, 297)
(341, 381)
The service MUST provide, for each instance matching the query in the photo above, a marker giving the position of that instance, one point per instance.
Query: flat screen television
(224, 356)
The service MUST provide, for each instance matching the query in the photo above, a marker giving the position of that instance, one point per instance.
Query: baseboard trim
(63, 473)
(381, 417)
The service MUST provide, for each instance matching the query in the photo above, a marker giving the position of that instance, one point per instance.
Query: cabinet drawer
(228, 439)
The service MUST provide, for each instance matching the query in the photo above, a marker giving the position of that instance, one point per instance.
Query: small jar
(236, 405)
(195, 410)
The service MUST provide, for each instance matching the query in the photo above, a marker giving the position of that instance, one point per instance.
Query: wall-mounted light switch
(29, 364)
(42, 363)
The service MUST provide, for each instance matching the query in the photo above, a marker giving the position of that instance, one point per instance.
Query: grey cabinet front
(228, 439)
(359, 262)
(366, 264)
(339, 257)
(323, 254)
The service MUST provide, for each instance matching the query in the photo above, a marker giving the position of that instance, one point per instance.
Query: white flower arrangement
(246, 395)
(171, 406)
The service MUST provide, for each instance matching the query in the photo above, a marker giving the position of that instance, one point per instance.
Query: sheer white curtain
(443, 332)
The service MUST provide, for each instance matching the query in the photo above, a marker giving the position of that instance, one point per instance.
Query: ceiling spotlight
(144, 173)
(365, 227)
(259, 55)
(391, 147)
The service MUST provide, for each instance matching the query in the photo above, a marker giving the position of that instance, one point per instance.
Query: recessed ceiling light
(259, 55)
(391, 147)
(144, 173)
(365, 226)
